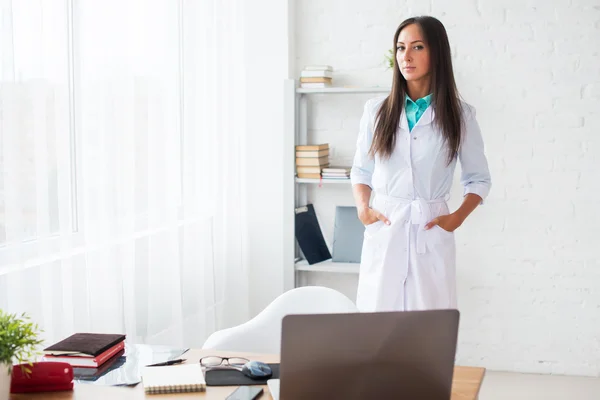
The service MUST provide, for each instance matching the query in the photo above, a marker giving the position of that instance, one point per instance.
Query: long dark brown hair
(445, 100)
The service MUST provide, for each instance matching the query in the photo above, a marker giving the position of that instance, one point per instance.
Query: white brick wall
(528, 260)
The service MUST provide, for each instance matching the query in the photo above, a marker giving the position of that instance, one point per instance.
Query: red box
(44, 377)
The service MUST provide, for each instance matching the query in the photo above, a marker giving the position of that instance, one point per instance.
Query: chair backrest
(262, 334)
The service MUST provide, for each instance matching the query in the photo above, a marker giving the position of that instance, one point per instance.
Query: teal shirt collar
(415, 109)
(423, 102)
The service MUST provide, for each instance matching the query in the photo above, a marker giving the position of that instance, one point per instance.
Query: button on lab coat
(403, 266)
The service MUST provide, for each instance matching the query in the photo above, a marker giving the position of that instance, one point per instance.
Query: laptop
(382, 355)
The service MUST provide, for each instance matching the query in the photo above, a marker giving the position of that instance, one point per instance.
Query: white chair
(262, 334)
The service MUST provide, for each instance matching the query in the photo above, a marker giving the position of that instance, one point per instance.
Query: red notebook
(85, 349)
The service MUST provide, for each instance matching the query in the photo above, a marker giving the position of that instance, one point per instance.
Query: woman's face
(412, 56)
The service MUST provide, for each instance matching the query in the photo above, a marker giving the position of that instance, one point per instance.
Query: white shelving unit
(333, 90)
(328, 266)
(295, 189)
(324, 181)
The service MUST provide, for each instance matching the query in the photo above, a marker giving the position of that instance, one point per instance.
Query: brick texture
(529, 259)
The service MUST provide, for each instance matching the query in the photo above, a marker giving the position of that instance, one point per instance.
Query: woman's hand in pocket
(369, 216)
(449, 222)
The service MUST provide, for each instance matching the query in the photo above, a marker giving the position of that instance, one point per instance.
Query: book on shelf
(312, 147)
(316, 74)
(337, 169)
(312, 154)
(310, 159)
(308, 170)
(335, 174)
(323, 67)
(308, 176)
(309, 235)
(320, 161)
(316, 80)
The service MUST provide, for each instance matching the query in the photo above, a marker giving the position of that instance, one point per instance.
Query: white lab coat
(403, 266)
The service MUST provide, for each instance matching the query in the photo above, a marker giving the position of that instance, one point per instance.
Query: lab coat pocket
(373, 228)
(439, 238)
(376, 226)
(442, 250)
(443, 231)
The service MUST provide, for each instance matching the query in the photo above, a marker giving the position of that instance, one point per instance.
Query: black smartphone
(245, 393)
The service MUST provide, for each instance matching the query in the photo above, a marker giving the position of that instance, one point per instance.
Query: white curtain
(121, 134)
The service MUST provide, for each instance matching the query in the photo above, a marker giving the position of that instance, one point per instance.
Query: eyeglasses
(252, 369)
(215, 361)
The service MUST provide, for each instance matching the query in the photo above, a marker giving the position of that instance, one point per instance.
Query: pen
(171, 362)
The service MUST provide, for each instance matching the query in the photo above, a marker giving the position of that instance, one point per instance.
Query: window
(88, 114)
(112, 175)
(35, 137)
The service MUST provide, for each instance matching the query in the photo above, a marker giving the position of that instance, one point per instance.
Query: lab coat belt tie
(421, 214)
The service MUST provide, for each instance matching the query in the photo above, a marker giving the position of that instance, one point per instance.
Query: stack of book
(316, 76)
(310, 159)
(86, 350)
(336, 172)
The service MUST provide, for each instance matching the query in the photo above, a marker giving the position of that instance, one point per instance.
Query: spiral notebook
(173, 379)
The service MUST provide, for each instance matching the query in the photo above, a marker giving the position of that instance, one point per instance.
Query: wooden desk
(466, 385)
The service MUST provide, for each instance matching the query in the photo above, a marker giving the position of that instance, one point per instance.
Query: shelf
(324, 181)
(374, 89)
(328, 266)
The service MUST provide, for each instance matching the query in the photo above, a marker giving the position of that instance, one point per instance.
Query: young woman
(407, 149)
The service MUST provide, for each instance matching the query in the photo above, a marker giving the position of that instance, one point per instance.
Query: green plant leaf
(389, 59)
(19, 338)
